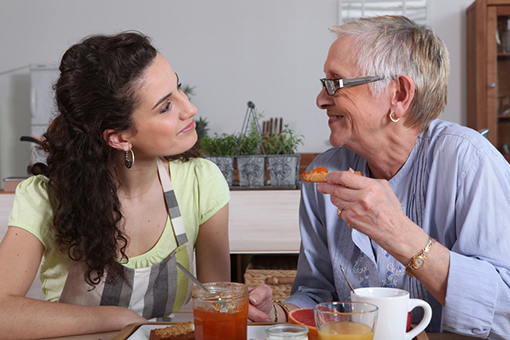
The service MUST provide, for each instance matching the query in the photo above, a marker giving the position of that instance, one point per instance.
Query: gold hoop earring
(394, 120)
(129, 163)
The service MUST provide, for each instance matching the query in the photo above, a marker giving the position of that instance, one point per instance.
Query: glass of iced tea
(222, 312)
(345, 320)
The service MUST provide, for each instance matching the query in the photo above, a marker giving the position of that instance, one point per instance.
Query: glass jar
(221, 313)
(287, 332)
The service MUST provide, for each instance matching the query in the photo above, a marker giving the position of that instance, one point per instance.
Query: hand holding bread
(318, 175)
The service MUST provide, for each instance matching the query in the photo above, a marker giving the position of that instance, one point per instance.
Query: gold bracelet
(419, 259)
(284, 307)
(275, 313)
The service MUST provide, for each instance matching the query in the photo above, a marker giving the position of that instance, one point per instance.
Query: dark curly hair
(96, 91)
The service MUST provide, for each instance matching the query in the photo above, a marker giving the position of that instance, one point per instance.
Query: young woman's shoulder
(34, 188)
(201, 168)
(32, 209)
(199, 182)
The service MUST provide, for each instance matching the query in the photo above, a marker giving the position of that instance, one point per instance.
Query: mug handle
(427, 316)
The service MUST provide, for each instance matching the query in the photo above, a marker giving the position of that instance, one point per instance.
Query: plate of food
(185, 331)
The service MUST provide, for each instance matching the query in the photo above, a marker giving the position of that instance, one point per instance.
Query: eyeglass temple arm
(360, 80)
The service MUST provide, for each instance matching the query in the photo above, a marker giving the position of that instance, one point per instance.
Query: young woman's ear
(116, 140)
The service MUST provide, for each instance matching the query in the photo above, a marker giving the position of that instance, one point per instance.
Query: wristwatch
(419, 259)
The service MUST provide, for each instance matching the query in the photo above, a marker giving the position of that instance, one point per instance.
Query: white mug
(394, 305)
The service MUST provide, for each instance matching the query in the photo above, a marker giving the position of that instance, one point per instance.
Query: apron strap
(175, 218)
(171, 204)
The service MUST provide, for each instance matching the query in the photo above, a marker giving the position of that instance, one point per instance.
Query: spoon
(191, 276)
(346, 279)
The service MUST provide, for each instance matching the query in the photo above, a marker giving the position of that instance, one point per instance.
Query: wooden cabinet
(488, 70)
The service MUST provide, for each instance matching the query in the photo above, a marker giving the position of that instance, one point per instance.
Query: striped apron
(153, 292)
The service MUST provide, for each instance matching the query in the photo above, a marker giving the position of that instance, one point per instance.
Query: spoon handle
(343, 272)
(191, 276)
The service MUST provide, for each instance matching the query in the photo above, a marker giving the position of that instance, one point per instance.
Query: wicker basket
(277, 271)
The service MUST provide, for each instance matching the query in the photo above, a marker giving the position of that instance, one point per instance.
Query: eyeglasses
(333, 85)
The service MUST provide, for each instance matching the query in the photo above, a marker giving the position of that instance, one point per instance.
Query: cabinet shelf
(488, 70)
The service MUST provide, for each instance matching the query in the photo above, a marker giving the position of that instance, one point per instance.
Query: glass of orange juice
(340, 320)
(222, 312)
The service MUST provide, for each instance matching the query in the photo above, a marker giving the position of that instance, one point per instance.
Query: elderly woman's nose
(324, 100)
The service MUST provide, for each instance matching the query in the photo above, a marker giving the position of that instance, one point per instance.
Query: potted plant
(220, 149)
(250, 159)
(282, 157)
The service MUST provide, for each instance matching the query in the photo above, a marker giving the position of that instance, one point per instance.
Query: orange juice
(345, 331)
(212, 325)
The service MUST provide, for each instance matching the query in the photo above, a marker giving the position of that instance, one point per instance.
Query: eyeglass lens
(331, 86)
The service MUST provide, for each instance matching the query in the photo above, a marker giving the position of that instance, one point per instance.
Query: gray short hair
(392, 45)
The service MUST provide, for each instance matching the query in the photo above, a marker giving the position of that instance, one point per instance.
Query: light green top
(201, 192)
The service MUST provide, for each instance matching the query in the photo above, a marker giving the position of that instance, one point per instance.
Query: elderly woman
(427, 185)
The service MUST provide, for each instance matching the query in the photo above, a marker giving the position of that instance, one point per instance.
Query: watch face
(418, 262)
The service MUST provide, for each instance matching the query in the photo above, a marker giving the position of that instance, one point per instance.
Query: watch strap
(421, 255)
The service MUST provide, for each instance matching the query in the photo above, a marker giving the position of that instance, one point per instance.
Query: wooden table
(120, 336)
(111, 335)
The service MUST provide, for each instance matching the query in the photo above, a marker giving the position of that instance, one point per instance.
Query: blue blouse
(456, 186)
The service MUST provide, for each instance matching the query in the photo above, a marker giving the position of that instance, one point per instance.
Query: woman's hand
(369, 206)
(261, 304)
(126, 317)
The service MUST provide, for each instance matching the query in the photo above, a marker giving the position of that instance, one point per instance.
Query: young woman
(122, 199)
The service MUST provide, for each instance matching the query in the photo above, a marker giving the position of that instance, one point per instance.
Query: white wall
(268, 51)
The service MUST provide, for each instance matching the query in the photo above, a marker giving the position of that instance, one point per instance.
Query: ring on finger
(339, 212)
